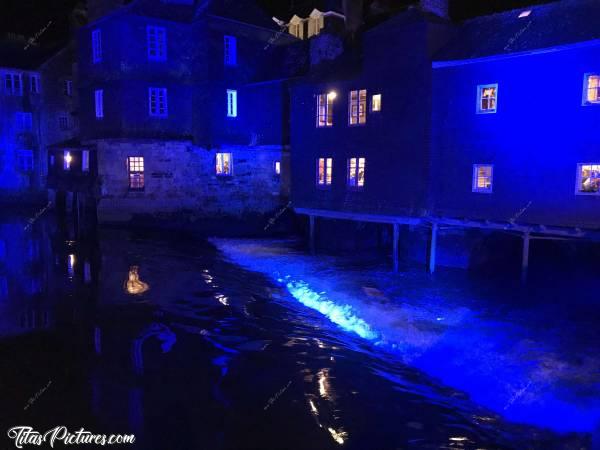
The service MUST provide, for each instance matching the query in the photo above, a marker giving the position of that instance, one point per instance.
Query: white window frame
(99, 103)
(96, 46)
(480, 89)
(379, 99)
(357, 99)
(65, 120)
(13, 76)
(24, 121)
(325, 110)
(68, 88)
(232, 103)
(30, 160)
(230, 50)
(85, 160)
(34, 83)
(578, 177)
(482, 190)
(326, 181)
(136, 173)
(220, 164)
(158, 102)
(156, 38)
(360, 161)
(586, 89)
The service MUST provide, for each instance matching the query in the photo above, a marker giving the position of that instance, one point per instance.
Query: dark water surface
(211, 356)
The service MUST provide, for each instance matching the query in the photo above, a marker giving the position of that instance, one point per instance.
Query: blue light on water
(342, 315)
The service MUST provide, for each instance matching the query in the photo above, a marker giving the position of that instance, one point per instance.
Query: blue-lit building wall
(395, 61)
(17, 178)
(535, 140)
(179, 150)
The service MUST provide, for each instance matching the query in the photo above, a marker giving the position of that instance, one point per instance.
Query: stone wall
(180, 177)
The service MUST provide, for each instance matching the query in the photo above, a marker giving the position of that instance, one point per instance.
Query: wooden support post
(395, 255)
(525, 260)
(432, 248)
(312, 234)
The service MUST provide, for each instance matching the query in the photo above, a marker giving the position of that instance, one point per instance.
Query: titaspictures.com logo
(24, 435)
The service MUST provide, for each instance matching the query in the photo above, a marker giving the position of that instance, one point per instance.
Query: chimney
(99, 8)
(353, 10)
(436, 7)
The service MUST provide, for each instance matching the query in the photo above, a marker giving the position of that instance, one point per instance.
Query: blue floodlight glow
(341, 315)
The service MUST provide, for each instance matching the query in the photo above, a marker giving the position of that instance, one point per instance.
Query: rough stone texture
(437, 7)
(325, 47)
(180, 177)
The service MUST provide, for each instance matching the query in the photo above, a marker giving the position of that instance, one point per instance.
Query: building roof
(545, 26)
(245, 11)
(19, 54)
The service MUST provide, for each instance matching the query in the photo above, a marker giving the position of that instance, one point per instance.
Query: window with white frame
(3, 288)
(157, 102)
(324, 172)
(63, 123)
(230, 50)
(591, 89)
(67, 160)
(357, 107)
(96, 46)
(135, 169)
(34, 84)
(99, 103)
(325, 109)
(356, 173)
(376, 103)
(224, 164)
(25, 160)
(13, 83)
(487, 98)
(157, 43)
(588, 178)
(85, 160)
(483, 178)
(24, 121)
(68, 88)
(232, 110)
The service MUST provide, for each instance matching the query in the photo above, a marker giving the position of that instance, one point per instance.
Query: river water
(231, 344)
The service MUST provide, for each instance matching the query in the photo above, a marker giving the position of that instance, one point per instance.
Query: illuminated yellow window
(324, 171)
(376, 103)
(135, 167)
(483, 178)
(487, 101)
(356, 172)
(325, 109)
(588, 178)
(357, 108)
(224, 164)
(592, 88)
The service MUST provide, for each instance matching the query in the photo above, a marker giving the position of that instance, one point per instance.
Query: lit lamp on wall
(332, 95)
(67, 160)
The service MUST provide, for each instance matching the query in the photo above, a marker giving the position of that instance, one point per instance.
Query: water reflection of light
(338, 436)
(313, 408)
(342, 315)
(71, 265)
(134, 285)
(459, 439)
(323, 381)
(222, 299)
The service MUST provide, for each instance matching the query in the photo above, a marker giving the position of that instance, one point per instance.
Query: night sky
(27, 17)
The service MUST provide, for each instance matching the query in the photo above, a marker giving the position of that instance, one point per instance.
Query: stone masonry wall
(181, 177)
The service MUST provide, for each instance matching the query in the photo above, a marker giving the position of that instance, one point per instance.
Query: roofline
(18, 69)
(539, 51)
(229, 19)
